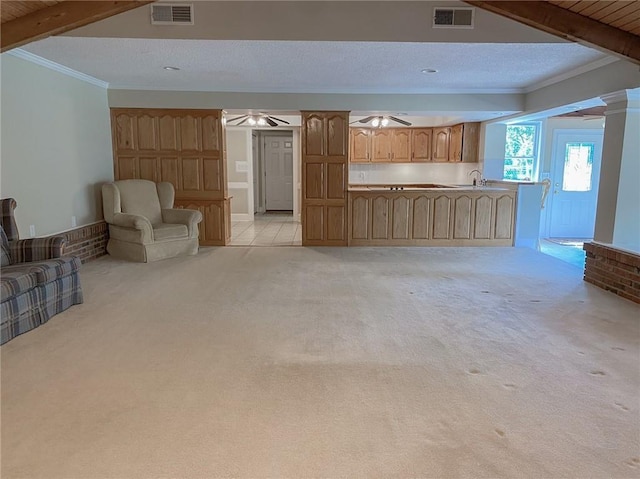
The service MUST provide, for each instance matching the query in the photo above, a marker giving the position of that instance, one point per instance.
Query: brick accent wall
(613, 270)
(87, 242)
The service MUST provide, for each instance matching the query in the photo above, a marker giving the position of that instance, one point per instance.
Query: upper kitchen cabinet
(381, 142)
(401, 145)
(441, 137)
(360, 148)
(463, 145)
(455, 143)
(421, 144)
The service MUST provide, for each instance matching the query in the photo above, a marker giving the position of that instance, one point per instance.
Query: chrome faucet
(483, 182)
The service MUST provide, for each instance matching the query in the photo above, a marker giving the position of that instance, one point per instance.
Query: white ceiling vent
(171, 14)
(453, 17)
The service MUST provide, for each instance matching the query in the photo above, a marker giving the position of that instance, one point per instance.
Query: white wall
(240, 172)
(56, 146)
(408, 173)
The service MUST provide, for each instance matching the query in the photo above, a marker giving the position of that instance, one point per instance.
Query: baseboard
(241, 217)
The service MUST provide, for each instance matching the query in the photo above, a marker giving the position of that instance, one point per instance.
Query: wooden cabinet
(455, 143)
(381, 143)
(463, 144)
(183, 147)
(325, 146)
(440, 150)
(401, 145)
(421, 144)
(432, 218)
(470, 142)
(360, 147)
(458, 143)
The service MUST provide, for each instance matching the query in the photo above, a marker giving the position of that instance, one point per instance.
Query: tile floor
(569, 253)
(267, 230)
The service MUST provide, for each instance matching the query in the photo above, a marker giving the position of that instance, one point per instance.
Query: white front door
(574, 189)
(279, 172)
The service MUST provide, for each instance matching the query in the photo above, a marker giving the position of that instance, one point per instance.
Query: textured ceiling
(314, 67)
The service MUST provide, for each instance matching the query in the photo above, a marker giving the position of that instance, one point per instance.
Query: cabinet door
(440, 151)
(455, 143)
(401, 145)
(381, 145)
(360, 145)
(421, 141)
(470, 140)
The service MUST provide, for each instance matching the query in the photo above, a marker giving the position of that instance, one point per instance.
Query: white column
(618, 210)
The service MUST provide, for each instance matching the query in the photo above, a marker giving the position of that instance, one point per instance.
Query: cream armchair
(143, 226)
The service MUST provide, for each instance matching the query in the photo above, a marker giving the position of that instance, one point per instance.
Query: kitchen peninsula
(430, 215)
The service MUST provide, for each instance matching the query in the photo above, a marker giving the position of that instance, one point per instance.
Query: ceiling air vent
(171, 14)
(453, 17)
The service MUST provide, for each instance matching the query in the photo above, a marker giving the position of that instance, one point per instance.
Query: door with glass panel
(574, 189)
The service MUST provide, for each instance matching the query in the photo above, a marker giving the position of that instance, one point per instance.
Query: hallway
(267, 230)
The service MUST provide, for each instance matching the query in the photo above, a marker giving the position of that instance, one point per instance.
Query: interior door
(574, 192)
(279, 172)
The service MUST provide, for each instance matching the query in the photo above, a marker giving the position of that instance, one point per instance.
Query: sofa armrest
(137, 222)
(36, 249)
(190, 218)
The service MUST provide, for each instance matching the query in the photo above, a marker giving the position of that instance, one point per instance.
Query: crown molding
(30, 57)
(572, 73)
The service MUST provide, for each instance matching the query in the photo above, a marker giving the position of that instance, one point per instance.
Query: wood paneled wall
(183, 147)
(325, 176)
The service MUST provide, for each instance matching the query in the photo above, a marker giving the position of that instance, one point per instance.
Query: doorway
(275, 167)
(576, 160)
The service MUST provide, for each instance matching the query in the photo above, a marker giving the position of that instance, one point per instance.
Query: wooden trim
(568, 25)
(58, 19)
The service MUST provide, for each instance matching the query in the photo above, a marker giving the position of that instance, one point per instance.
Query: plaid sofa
(36, 281)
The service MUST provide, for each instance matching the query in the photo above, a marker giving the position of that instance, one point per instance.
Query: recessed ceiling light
(429, 70)
(173, 69)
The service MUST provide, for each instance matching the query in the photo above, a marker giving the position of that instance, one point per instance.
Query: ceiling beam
(568, 25)
(58, 19)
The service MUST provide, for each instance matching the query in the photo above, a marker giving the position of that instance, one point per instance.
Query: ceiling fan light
(251, 121)
(262, 121)
(375, 122)
(384, 121)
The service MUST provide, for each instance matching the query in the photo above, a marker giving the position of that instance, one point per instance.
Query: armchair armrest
(190, 218)
(36, 249)
(137, 222)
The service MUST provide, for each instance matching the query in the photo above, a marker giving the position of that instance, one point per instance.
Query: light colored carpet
(333, 363)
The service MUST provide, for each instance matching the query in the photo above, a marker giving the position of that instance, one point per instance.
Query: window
(521, 152)
(578, 167)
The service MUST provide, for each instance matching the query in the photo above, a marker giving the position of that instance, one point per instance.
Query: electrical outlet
(32, 230)
(73, 222)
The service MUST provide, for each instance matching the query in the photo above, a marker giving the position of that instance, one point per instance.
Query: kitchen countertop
(424, 187)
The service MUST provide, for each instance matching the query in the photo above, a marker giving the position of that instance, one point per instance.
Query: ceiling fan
(261, 119)
(379, 121)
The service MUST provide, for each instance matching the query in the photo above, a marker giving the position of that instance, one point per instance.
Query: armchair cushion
(47, 270)
(189, 218)
(15, 283)
(167, 231)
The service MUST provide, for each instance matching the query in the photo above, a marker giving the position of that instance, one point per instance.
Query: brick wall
(613, 270)
(87, 242)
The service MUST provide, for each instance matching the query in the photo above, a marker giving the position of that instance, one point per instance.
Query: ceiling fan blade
(237, 118)
(398, 120)
(243, 121)
(278, 119)
(367, 119)
(270, 121)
